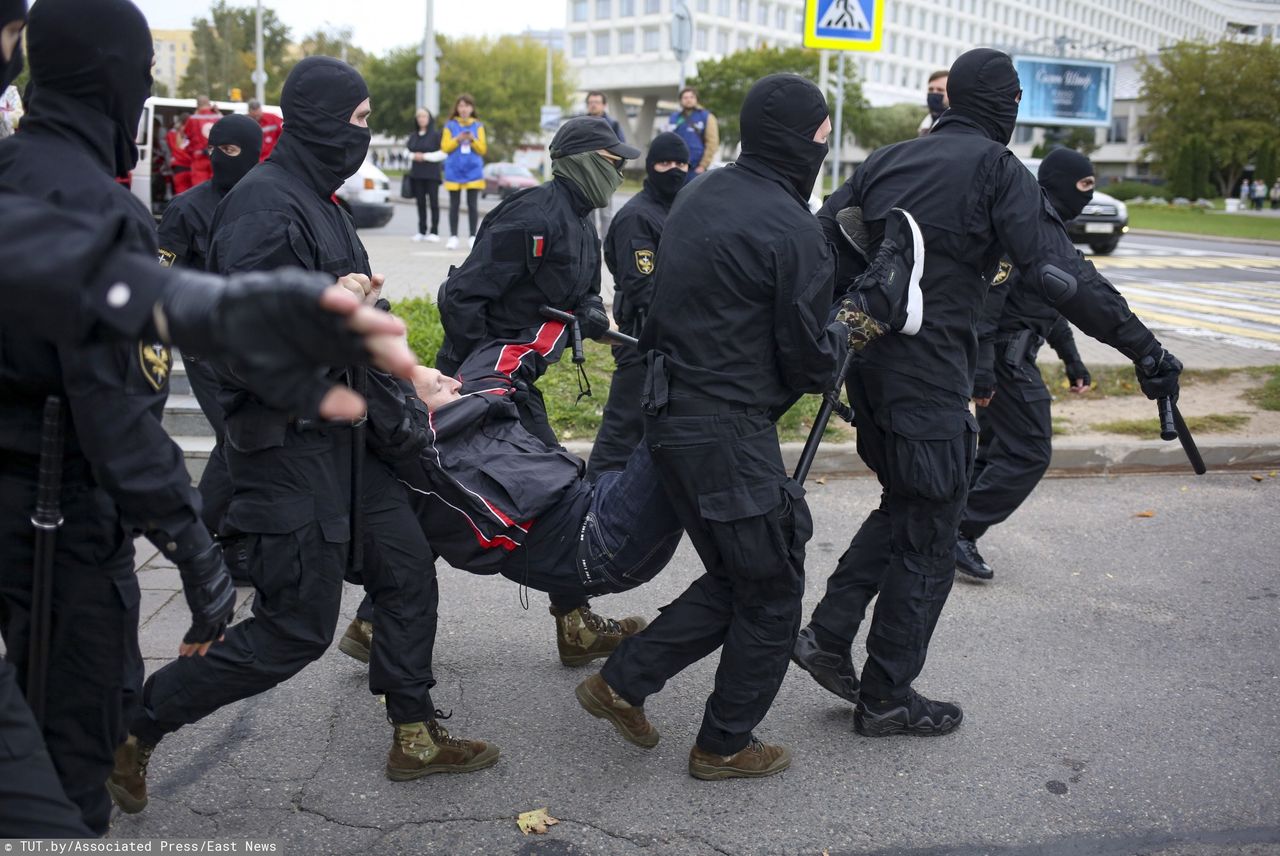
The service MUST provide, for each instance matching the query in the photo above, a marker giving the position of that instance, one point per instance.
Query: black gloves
(1076, 371)
(984, 384)
(592, 319)
(207, 585)
(269, 328)
(1158, 373)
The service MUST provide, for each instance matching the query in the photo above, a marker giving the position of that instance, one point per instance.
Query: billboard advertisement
(1062, 91)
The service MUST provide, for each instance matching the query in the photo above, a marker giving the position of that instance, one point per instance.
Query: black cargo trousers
(95, 666)
(1015, 445)
(721, 468)
(292, 503)
(622, 426)
(919, 441)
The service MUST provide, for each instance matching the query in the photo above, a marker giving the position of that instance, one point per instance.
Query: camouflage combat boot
(128, 782)
(357, 642)
(420, 749)
(583, 636)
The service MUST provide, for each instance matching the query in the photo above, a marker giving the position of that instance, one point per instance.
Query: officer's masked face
(785, 124)
(235, 142)
(326, 110)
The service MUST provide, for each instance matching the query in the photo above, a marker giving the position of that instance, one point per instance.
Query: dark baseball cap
(589, 134)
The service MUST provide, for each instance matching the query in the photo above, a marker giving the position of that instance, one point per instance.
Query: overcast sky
(380, 24)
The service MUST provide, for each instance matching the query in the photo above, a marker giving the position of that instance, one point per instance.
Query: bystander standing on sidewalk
(1275, 195)
(464, 142)
(1259, 193)
(697, 126)
(423, 151)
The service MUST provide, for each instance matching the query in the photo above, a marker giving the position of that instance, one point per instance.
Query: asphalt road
(1119, 678)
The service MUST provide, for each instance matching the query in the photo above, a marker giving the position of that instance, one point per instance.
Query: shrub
(1126, 190)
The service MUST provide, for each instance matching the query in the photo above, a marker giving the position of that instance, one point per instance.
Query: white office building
(623, 47)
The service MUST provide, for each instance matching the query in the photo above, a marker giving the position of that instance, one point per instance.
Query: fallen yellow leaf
(822, 480)
(1147, 513)
(535, 821)
(1256, 478)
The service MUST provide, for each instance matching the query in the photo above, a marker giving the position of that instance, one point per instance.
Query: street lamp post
(259, 73)
(430, 92)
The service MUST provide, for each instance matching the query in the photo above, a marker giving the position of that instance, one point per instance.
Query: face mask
(596, 177)
(318, 99)
(778, 119)
(234, 130)
(936, 106)
(1059, 172)
(665, 185)
(984, 88)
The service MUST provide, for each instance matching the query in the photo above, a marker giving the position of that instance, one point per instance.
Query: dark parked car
(502, 179)
(1102, 222)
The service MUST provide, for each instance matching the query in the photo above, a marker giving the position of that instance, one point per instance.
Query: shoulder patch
(167, 257)
(537, 246)
(645, 261)
(1003, 273)
(155, 360)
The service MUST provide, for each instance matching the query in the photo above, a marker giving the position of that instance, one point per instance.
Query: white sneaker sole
(915, 297)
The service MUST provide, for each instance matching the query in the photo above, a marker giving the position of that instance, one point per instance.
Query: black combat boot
(833, 670)
(914, 714)
(969, 561)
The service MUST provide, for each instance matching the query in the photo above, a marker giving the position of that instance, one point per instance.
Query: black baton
(570, 319)
(46, 521)
(830, 402)
(355, 557)
(1172, 425)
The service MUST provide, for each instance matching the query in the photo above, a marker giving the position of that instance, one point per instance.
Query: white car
(367, 197)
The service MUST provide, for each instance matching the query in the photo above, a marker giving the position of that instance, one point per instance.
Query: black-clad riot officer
(737, 329)
(234, 145)
(91, 70)
(1015, 440)
(631, 252)
(539, 247)
(291, 477)
(971, 198)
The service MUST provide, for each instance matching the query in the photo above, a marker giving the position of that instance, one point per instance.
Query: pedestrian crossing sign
(844, 25)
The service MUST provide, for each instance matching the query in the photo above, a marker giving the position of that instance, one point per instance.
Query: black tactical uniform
(1015, 428)
(971, 196)
(184, 237)
(737, 330)
(121, 473)
(292, 476)
(631, 252)
(536, 248)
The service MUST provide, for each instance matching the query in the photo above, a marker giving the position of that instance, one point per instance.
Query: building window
(743, 42)
(626, 8)
(604, 9)
(1119, 130)
(722, 8)
(722, 42)
(652, 7)
(580, 45)
(579, 10)
(780, 19)
(762, 14)
(704, 5)
(651, 40)
(744, 10)
(626, 41)
(603, 43)
(702, 39)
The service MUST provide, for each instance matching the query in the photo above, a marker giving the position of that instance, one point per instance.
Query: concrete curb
(1156, 233)
(1070, 457)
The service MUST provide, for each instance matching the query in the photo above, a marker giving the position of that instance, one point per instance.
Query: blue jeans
(628, 535)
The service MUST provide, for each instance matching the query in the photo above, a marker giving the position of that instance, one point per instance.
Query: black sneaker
(833, 671)
(889, 290)
(970, 562)
(914, 714)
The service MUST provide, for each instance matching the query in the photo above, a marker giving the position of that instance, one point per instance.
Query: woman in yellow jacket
(464, 142)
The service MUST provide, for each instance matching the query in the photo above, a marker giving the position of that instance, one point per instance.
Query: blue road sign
(844, 25)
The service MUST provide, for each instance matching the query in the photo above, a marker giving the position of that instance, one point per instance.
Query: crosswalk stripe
(1212, 307)
(1183, 263)
(1184, 323)
(1253, 296)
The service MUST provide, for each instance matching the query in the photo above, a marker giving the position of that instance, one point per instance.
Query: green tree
(506, 76)
(880, 126)
(335, 42)
(392, 80)
(223, 57)
(723, 84)
(1223, 93)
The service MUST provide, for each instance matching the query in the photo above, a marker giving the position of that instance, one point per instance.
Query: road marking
(1184, 324)
(1194, 304)
(1261, 264)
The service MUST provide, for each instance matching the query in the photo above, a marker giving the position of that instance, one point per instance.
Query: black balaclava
(234, 130)
(318, 99)
(983, 86)
(665, 185)
(96, 52)
(779, 117)
(10, 11)
(1059, 172)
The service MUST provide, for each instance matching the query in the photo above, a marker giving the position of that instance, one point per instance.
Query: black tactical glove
(206, 583)
(1158, 373)
(1076, 371)
(269, 328)
(984, 384)
(592, 320)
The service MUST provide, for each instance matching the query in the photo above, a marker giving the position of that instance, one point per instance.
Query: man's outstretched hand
(281, 332)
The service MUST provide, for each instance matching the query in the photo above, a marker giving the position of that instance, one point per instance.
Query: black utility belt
(688, 405)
